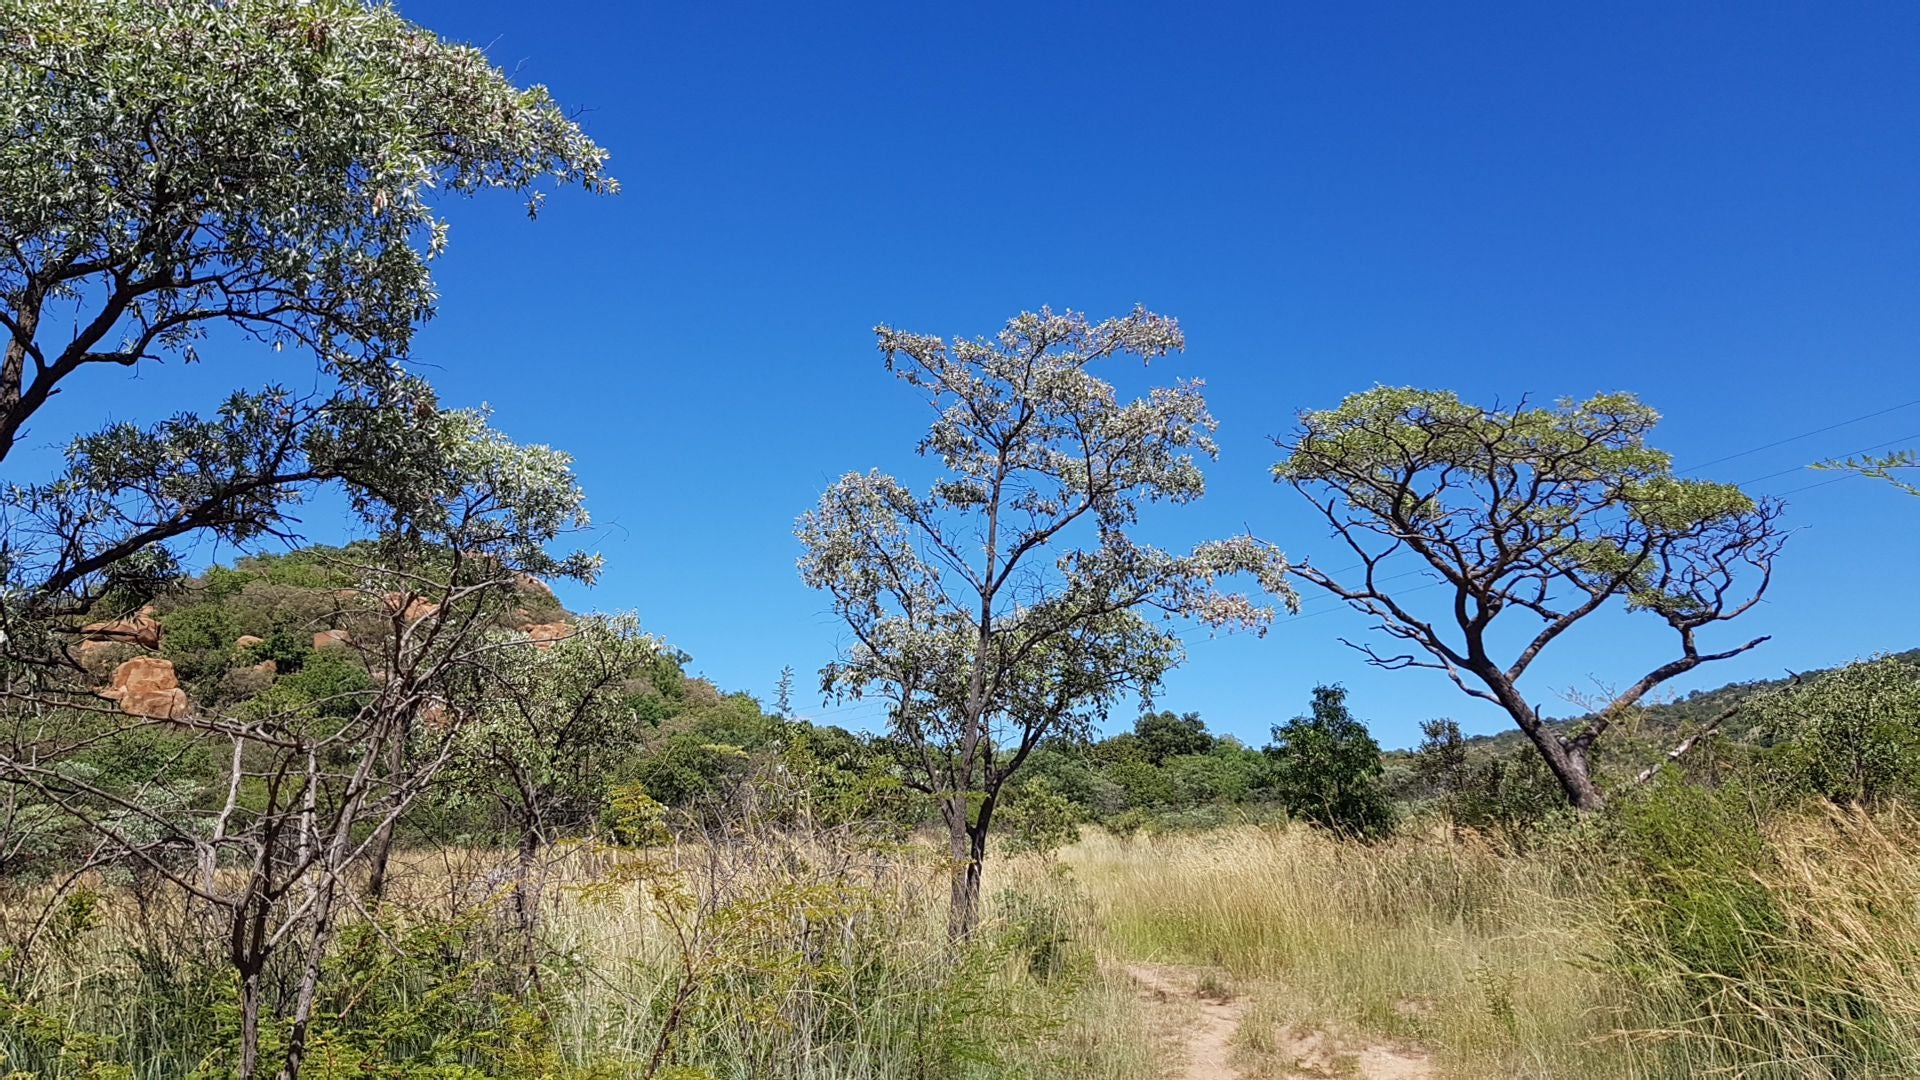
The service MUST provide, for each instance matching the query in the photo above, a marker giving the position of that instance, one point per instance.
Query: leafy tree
(1543, 513)
(1003, 605)
(1440, 762)
(543, 743)
(1165, 735)
(1039, 819)
(266, 168)
(1851, 734)
(322, 764)
(263, 172)
(1326, 768)
(1227, 773)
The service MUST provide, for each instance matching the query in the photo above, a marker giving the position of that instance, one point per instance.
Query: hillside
(1666, 721)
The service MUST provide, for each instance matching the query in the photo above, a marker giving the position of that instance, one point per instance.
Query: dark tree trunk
(249, 1024)
(383, 839)
(526, 899)
(1569, 765)
(967, 844)
(1567, 761)
(309, 983)
(382, 852)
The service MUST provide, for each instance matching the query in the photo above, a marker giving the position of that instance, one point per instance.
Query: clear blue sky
(1716, 207)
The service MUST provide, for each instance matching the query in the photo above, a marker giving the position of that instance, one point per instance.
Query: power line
(1778, 442)
(1863, 450)
(1802, 435)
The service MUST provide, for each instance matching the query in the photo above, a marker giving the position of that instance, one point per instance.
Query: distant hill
(1668, 721)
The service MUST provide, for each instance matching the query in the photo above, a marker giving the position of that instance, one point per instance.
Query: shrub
(1326, 768)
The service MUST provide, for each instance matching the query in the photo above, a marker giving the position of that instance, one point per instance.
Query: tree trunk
(249, 1024)
(526, 899)
(383, 839)
(382, 852)
(967, 844)
(1566, 761)
(310, 980)
(1568, 765)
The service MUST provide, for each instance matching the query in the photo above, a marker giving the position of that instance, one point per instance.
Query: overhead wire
(1335, 604)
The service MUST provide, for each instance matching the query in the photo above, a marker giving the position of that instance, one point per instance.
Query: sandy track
(1204, 1027)
(1207, 1042)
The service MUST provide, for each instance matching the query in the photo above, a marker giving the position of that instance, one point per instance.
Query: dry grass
(1506, 965)
(1494, 962)
(1443, 942)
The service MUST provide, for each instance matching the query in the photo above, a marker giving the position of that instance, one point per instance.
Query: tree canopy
(1005, 603)
(267, 168)
(1528, 511)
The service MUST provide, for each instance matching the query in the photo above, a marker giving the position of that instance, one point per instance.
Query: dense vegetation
(493, 953)
(386, 808)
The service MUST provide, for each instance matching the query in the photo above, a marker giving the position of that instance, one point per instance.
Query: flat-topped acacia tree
(1008, 602)
(1531, 519)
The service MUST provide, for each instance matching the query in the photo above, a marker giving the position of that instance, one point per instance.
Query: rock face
(94, 655)
(417, 608)
(545, 634)
(332, 639)
(140, 629)
(529, 583)
(146, 686)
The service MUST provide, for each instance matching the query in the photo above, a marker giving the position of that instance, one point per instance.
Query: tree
(1548, 513)
(263, 169)
(1851, 734)
(1167, 734)
(1005, 603)
(1326, 768)
(321, 764)
(546, 735)
(258, 174)
(1440, 763)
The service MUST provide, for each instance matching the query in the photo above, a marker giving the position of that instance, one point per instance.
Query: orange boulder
(545, 634)
(140, 629)
(146, 686)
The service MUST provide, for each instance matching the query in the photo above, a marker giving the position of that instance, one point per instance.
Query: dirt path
(1205, 1026)
(1207, 1042)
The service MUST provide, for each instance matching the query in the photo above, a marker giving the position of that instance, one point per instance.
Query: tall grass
(1814, 968)
(1795, 957)
(1676, 940)
(1470, 952)
(783, 956)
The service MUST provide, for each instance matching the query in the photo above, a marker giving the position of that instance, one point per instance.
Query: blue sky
(1715, 207)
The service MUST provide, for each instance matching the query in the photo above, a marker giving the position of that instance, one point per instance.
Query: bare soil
(1204, 1028)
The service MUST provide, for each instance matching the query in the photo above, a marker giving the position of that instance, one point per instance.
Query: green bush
(1689, 900)
(1326, 768)
(1851, 735)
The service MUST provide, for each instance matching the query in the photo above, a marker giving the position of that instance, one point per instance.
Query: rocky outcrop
(97, 656)
(140, 628)
(545, 634)
(147, 687)
(416, 608)
(332, 639)
(531, 584)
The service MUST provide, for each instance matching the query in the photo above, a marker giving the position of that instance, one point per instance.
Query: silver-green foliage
(1005, 601)
(270, 167)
